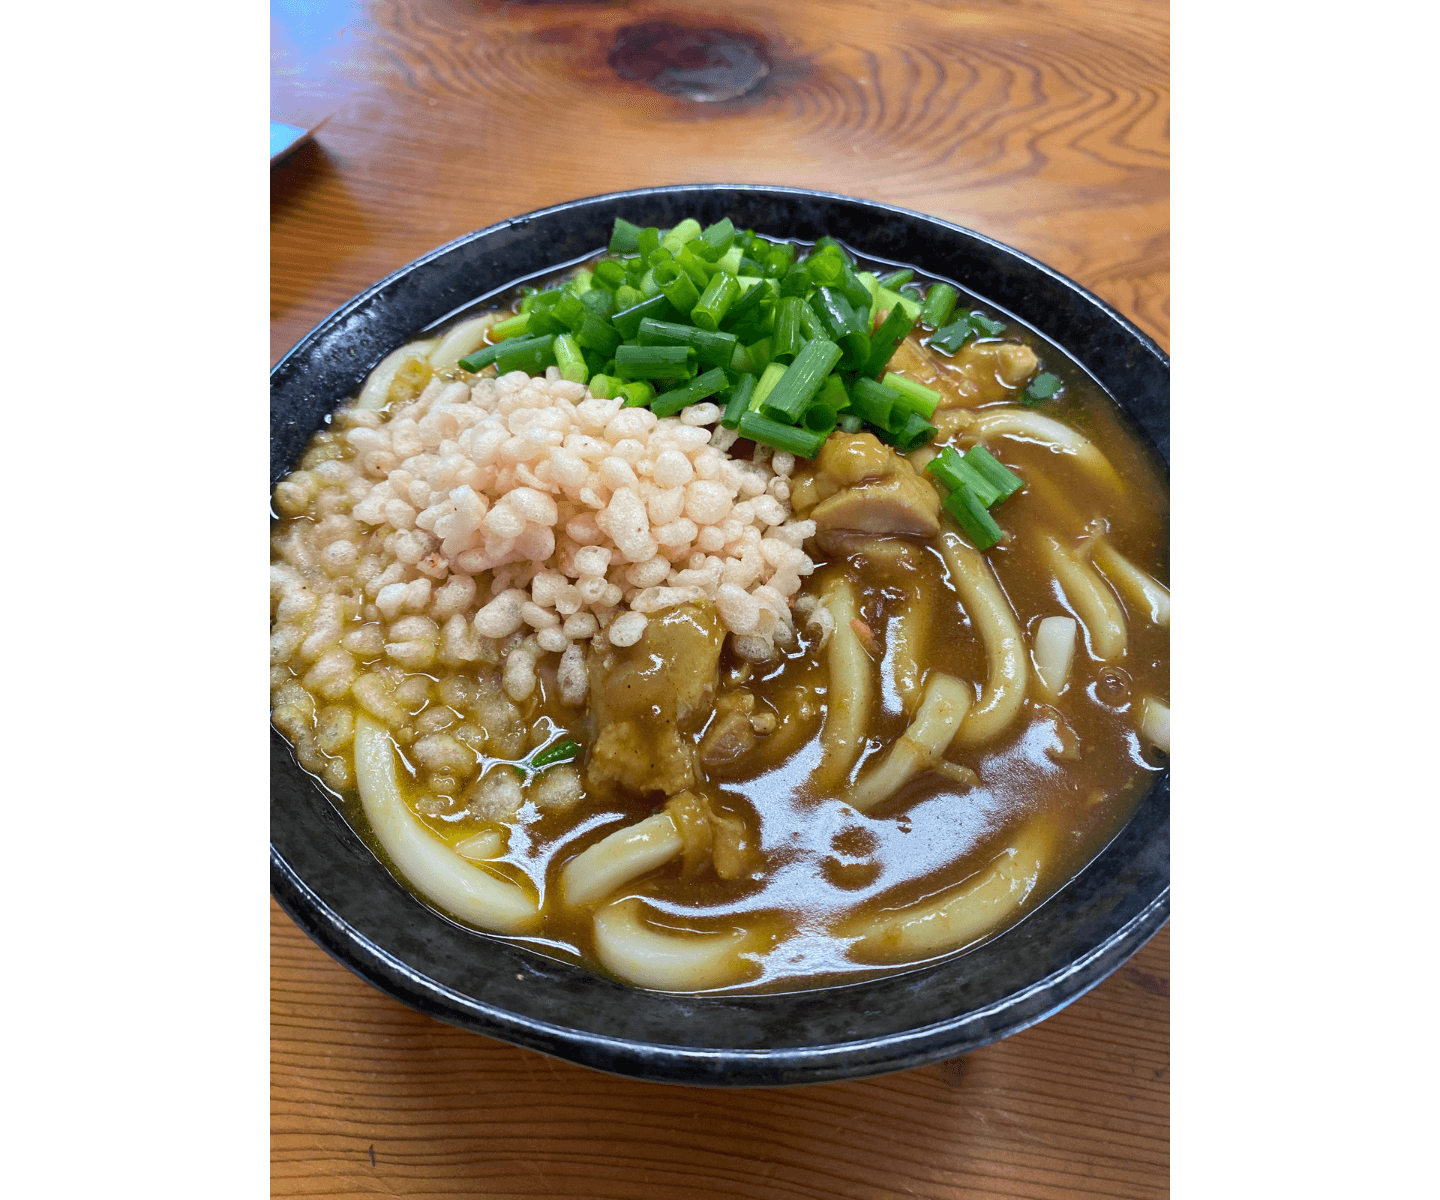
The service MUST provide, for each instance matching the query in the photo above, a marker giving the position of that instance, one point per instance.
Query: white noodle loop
(990, 612)
(851, 690)
(669, 961)
(963, 914)
(1025, 425)
(1090, 597)
(945, 702)
(1141, 588)
(624, 855)
(432, 867)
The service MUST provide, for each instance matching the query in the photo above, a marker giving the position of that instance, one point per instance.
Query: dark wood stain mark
(372, 1156)
(1149, 983)
(704, 66)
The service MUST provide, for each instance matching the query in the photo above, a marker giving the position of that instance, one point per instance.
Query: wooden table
(1042, 124)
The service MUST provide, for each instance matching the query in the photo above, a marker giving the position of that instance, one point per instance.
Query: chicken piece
(848, 459)
(738, 726)
(648, 699)
(984, 371)
(914, 362)
(860, 486)
(706, 834)
(904, 506)
(731, 735)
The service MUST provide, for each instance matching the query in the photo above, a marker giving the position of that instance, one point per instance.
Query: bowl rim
(727, 1066)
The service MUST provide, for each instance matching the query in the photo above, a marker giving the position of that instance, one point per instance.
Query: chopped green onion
(712, 348)
(856, 290)
(598, 301)
(772, 375)
(481, 359)
(872, 290)
(782, 437)
(952, 336)
(627, 297)
(698, 270)
(977, 524)
(748, 303)
(625, 239)
(647, 242)
(996, 473)
(570, 310)
(582, 281)
(715, 301)
(602, 387)
(1042, 387)
(682, 233)
(849, 423)
(755, 326)
(893, 330)
(819, 417)
(628, 320)
(529, 354)
(954, 472)
(667, 404)
(802, 380)
(595, 334)
(778, 259)
(921, 398)
(558, 753)
(889, 299)
(610, 273)
(569, 359)
(738, 402)
(939, 304)
(986, 325)
(873, 402)
(543, 321)
(637, 394)
(789, 337)
(510, 327)
(797, 280)
(914, 433)
(833, 393)
(897, 279)
(843, 325)
(827, 266)
(678, 287)
(761, 354)
(718, 238)
(653, 362)
(810, 327)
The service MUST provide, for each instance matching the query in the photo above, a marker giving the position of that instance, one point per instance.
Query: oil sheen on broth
(773, 868)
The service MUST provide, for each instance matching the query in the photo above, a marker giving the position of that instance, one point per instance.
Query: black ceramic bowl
(336, 890)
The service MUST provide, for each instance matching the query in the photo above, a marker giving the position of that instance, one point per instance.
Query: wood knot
(701, 65)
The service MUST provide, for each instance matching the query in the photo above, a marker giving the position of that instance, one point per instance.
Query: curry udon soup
(637, 691)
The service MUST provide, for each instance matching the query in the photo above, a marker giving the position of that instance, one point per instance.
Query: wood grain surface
(1043, 124)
